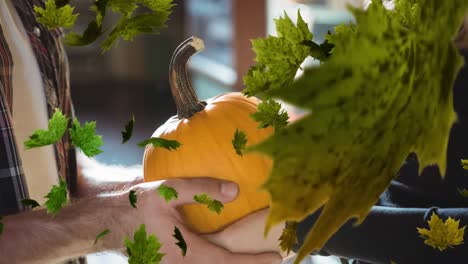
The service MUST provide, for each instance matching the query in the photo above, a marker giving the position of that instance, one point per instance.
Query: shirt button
(37, 31)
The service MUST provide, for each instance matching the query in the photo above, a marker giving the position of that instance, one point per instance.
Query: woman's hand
(246, 235)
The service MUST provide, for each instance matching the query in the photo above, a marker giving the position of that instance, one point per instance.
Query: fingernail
(229, 189)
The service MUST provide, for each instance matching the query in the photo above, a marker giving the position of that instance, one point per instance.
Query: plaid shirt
(53, 65)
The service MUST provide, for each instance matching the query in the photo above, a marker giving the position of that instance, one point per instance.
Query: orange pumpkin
(206, 130)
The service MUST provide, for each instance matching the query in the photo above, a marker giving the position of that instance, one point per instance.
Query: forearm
(390, 234)
(37, 237)
(95, 178)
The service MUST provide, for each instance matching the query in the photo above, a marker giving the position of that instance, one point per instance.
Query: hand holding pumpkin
(160, 217)
(247, 235)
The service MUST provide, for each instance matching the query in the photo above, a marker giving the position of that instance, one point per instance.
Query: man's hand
(246, 235)
(160, 217)
(36, 237)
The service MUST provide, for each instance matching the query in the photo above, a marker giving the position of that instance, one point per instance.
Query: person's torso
(29, 107)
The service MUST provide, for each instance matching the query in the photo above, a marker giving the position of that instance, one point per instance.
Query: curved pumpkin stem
(185, 98)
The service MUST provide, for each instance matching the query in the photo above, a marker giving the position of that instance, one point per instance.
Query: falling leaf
(30, 202)
(212, 204)
(132, 197)
(463, 192)
(57, 198)
(127, 133)
(442, 234)
(168, 193)
(239, 141)
(100, 235)
(288, 237)
(161, 143)
(144, 249)
(180, 240)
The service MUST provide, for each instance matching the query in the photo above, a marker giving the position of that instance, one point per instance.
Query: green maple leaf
(85, 138)
(168, 193)
(55, 16)
(130, 26)
(127, 133)
(56, 128)
(132, 197)
(144, 249)
(56, 198)
(386, 90)
(442, 234)
(278, 58)
(270, 114)
(101, 235)
(180, 240)
(212, 204)
(239, 141)
(161, 143)
(94, 29)
(30, 202)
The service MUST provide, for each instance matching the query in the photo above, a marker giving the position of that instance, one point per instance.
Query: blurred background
(132, 78)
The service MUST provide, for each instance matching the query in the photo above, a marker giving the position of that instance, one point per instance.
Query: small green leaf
(57, 198)
(55, 16)
(132, 197)
(143, 250)
(239, 141)
(168, 193)
(85, 138)
(270, 114)
(127, 133)
(30, 202)
(129, 27)
(213, 205)
(56, 128)
(100, 235)
(161, 143)
(180, 240)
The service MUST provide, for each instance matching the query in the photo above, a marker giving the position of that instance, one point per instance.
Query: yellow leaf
(463, 192)
(464, 163)
(442, 234)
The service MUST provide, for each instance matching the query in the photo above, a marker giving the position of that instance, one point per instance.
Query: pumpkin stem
(185, 98)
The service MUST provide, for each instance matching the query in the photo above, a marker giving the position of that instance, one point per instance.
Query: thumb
(263, 258)
(222, 190)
